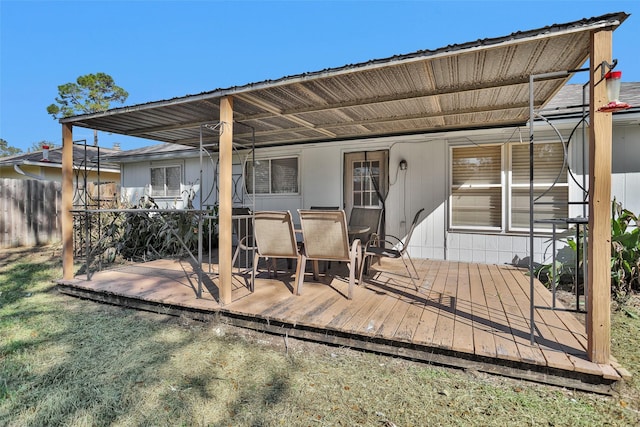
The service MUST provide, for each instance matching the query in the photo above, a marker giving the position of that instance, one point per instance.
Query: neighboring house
(30, 192)
(46, 165)
(166, 173)
(473, 184)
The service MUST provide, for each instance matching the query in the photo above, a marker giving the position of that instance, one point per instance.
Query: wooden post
(67, 201)
(225, 244)
(599, 243)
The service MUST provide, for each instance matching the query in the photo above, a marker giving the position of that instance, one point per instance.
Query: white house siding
(136, 179)
(625, 185)
(625, 165)
(424, 184)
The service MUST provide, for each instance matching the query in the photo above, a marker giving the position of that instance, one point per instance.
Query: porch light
(612, 79)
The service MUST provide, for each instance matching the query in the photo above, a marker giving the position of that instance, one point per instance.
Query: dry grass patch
(66, 361)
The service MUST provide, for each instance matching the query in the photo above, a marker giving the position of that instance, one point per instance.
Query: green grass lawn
(67, 361)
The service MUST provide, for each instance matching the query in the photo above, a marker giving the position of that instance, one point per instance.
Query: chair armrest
(356, 250)
(376, 241)
(243, 242)
(396, 240)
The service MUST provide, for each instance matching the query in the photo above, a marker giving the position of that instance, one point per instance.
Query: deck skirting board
(425, 354)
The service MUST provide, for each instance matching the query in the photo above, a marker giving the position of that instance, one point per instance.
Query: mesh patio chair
(275, 238)
(326, 239)
(243, 228)
(394, 248)
(369, 217)
(325, 208)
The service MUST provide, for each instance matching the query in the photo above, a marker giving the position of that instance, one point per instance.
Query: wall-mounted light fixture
(403, 165)
(612, 80)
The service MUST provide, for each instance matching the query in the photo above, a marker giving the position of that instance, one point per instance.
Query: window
(551, 201)
(476, 187)
(490, 186)
(364, 191)
(165, 181)
(272, 176)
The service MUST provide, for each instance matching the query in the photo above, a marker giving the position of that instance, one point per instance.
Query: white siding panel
(422, 185)
(322, 176)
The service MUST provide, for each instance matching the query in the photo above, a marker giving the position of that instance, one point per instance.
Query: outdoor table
(357, 229)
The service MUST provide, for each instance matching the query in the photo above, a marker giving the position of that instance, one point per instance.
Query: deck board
(445, 300)
(484, 343)
(500, 327)
(427, 324)
(551, 350)
(463, 329)
(477, 312)
(349, 312)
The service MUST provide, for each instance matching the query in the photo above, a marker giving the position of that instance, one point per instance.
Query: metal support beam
(599, 247)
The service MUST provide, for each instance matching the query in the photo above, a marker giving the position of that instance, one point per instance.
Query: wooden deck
(471, 316)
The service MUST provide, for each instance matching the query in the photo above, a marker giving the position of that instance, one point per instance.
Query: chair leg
(253, 273)
(412, 265)
(302, 262)
(362, 268)
(352, 277)
(296, 277)
(235, 256)
(415, 285)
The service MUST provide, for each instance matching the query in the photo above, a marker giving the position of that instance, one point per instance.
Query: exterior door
(366, 179)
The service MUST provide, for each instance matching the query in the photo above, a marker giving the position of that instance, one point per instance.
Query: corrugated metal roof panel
(479, 83)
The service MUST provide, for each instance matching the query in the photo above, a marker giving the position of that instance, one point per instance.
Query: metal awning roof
(477, 84)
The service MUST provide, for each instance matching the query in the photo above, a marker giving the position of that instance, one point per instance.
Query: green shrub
(151, 235)
(625, 252)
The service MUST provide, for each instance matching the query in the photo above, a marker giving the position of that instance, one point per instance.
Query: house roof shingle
(80, 153)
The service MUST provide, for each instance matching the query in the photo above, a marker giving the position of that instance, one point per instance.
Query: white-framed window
(364, 173)
(550, 184)
(272, 176)
(490, 186)
(165, 181)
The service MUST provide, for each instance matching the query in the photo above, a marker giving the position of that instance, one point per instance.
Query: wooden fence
(29, 212)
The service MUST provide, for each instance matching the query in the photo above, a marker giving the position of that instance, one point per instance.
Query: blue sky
(164, 49)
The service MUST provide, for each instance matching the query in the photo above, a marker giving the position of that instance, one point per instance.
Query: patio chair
(325, 208)
(275, 238)
(377, 248)
(326, 239)
(368, 217)
(243, 228)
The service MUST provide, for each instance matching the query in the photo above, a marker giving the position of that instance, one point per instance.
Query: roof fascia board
(59, 166)
(135, 158)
